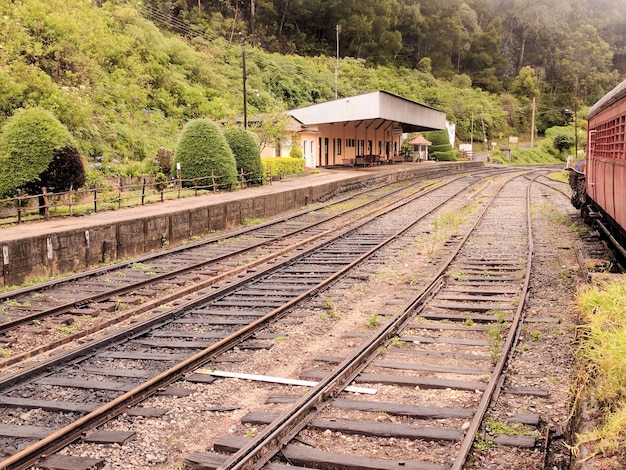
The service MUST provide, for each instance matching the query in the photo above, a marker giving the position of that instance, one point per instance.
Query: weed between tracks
(494, 334)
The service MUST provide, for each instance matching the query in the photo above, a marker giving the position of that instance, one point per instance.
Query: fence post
(70, 202)
(143, 191)
(242, 179)
(195, 186)
(95, 198)
(213, 181)
(119, 196)
(46, 207)
(19, 206)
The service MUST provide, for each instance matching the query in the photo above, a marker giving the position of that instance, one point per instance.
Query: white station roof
(413, 116)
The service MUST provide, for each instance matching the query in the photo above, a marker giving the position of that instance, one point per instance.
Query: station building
(366, 129)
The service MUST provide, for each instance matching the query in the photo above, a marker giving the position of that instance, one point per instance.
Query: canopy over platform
(410, 115)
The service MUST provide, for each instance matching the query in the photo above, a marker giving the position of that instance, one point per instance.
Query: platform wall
(76, 250)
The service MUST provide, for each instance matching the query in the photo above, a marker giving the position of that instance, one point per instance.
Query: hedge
(282, 166)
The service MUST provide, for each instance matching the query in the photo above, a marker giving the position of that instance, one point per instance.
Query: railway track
(93, 398)
(439, 329)
(449, 344)
(63, 310)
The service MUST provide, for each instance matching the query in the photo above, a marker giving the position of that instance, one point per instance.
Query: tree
(203, 151)
(526, 84)
(272, 129)
(66, 171)
(247, 153)
(28, 144)
(483, 61)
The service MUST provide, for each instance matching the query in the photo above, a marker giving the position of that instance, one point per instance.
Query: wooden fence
(47, 205)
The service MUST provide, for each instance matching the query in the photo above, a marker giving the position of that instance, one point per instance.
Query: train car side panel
(596, 186)
(619, 179)
(609, 196)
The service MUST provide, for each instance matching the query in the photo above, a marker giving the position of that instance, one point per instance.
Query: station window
(338, 146)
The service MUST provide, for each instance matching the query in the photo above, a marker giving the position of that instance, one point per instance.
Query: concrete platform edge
(51, 248)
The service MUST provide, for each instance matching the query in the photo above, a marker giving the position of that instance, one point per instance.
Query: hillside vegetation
(125, 87)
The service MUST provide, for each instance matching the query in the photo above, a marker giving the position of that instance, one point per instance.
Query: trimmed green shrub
(282, 166)
(295, 152)
(449, 156)
(202, 150)
(440, 149)
(247, 153)
(28, 143)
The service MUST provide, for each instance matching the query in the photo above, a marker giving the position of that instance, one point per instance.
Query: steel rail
(116, 266)
(73, 431)
(215, 279)
(268, 443)
(494, 380)
(142, 259)
(99, 297)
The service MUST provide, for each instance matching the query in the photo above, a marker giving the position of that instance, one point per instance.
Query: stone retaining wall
(76, 250)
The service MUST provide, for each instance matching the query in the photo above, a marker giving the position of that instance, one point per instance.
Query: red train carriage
(600, 185)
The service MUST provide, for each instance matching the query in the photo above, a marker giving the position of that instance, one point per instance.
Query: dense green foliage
(440, 149)
(202, 151)
(125, 86)
(65, 171)
(28, 143)
(527, 156)
(577, 43)
(277, 167)
(247, 153)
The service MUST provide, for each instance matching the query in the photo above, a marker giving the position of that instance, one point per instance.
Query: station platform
(70, 244)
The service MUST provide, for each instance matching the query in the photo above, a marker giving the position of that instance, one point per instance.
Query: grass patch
(250, 221)
(528, 156)
(602, 364)
(561, 176)
(510, 429)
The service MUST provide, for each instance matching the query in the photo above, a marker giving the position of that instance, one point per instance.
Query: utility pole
(575, 130)
(532, 125)
(245, 79)
(337, 31)
(252, 18)
(472, 133)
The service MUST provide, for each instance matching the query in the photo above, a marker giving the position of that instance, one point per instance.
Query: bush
(562, 138)
(202, 150)
(65, 171)
(27, 146)
(160, 182)
(440, 148)
(449, 156)
(164, 158)
(295, 152)
(247, 153)
(282, 166)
